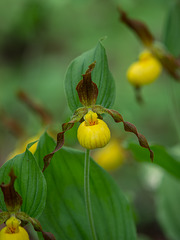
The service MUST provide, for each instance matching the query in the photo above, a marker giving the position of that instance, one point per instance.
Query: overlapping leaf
(100, 75)
(65, 213)
(30, 183)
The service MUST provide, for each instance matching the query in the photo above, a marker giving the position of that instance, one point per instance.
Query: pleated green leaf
(172, 29)
(162, 158)
(65, 213)
(30, 183)
(168, 211)
(100, 75)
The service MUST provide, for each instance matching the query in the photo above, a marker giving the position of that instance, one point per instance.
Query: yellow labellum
(93, 132)
(111, 156)
(144, 71)
(13, 230)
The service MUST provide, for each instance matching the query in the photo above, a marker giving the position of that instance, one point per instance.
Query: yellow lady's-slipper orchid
(169, 63)
(13, 230)
(144, 71)
(13, 216)
(93, 132)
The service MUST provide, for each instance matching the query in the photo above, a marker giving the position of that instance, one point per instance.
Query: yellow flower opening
(144, 71)
(13, 230)
(93, 132)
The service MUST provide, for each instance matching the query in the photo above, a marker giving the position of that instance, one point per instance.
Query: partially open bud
(93, 132)
(13, 230)
(144, 71)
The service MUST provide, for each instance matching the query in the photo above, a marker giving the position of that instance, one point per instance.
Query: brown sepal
(139, 28)
(87, 89)
(129, 127)
(12, 199)
(36, 224)
(37, 108)
(79, 113)
(170, 63)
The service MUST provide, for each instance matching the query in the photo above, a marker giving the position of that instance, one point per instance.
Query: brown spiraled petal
(59, 145)
(116, 116)
(67, 126)
(87, 89)
(12, 199)
(37, 227)
(79, 113)
(100, 110)
(4, 217)
(36, 224)
(129, 127)
(48, 236)
(143, 142)
(139, 28)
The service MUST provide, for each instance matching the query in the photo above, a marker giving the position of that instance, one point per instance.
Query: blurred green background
(38, 40)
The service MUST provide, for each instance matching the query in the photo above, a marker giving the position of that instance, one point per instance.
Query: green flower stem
(87, 194)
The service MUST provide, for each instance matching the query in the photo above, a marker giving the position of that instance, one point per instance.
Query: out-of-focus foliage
(38, 41)
(168, 198)
(162, 158)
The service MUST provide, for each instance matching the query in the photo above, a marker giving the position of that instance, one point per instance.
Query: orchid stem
(87, 194)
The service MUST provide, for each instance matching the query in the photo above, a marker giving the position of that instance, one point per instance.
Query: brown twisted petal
(128, 127)
(79, 113)
(59, 144)
(36, 225)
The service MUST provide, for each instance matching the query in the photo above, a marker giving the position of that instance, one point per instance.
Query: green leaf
(65, 213)
(162, 158)
(168, 211)
(30, 183)
(100, 75)
(43, 149)
(172, 29)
